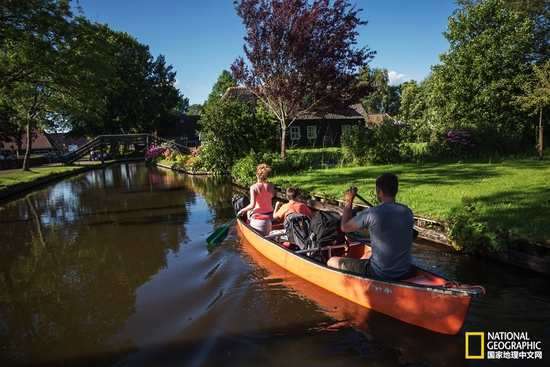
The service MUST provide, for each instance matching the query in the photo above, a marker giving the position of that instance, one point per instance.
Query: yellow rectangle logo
(475, 345)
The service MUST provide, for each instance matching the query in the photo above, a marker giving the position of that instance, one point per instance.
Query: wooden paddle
(219, 234)
(363, 200)
(415, 232)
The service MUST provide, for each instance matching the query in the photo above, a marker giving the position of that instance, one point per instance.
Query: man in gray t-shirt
(391, 230)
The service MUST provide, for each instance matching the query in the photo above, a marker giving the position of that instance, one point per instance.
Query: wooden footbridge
(136, 140)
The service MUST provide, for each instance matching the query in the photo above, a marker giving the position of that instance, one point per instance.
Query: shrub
(456, 144)
(382, 143)
(467, 232)
(154, 154)
(244, 170)
(354, 145)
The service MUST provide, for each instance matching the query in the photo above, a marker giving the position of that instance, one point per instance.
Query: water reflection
(73, 255)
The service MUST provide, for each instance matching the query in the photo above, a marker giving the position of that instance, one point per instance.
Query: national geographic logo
(502, 345)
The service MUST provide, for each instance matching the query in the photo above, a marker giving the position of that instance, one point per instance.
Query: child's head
(292, 193)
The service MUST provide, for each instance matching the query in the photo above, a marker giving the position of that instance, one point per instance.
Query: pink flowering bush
(154, 153)
(169, 156)
(457, 144)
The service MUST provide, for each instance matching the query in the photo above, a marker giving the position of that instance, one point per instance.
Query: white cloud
(396, 79)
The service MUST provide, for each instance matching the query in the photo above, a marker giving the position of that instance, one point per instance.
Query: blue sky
(201, 38)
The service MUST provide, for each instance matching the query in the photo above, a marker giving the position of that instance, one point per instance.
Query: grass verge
(514, 193)
(12, 179)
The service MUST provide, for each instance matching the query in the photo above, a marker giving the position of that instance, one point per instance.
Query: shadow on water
(111, 268)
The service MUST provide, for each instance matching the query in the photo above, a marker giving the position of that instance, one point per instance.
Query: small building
(183, 130)
(42, 143)
(325, 131)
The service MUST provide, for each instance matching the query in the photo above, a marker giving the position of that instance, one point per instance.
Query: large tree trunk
(27, 160)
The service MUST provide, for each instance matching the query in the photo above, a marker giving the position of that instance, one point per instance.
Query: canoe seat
(422, 280)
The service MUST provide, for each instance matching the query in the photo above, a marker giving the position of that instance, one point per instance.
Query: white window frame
(312, 132)
(295, 133)
(346, 129)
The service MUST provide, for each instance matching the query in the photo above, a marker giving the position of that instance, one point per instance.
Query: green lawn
(514, 193)
(8, 180)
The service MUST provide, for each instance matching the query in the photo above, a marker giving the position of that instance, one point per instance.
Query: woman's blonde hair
(263, 171)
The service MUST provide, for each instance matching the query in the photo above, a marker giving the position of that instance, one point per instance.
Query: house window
(346, 129)
(312, 132)
(295, 133)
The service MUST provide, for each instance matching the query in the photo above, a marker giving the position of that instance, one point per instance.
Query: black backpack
(239, 202)
(297, 230)
(325, 229)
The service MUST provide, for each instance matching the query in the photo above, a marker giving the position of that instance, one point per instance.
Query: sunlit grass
(12, 179)
(513, 193)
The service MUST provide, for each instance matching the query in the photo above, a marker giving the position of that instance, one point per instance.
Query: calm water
(111, 268)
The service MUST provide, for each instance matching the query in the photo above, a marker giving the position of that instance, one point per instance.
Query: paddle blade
(220, 234)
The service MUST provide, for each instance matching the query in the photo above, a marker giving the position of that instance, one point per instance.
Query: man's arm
(348, 223)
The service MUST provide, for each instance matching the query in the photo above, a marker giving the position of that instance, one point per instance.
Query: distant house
(43, 143)
(325, 131)
(182, 130)
(312, 130)
(65, 143)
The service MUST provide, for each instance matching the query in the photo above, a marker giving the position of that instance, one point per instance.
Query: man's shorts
(360, 266)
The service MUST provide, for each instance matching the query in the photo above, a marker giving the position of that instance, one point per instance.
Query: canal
(111, 267)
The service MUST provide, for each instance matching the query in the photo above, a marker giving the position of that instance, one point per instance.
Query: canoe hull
(439, 308)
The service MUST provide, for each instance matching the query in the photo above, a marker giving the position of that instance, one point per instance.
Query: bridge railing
(148, 140)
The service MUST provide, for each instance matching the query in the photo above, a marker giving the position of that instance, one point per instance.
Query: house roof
(60, 139)
(46, 141)
(378, 117)
(241, 93)
(352, 112)
(40, 142)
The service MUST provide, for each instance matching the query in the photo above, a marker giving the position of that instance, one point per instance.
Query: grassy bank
(15, 178)
(513, 194)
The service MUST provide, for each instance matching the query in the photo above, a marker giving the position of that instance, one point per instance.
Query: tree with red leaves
(302, 57)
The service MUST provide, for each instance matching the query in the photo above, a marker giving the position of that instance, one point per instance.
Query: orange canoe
(426, 300)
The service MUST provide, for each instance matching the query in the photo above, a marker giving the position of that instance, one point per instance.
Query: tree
(233, 129)
(195, 109)
(301, 57)
(35, 57)
(393, 101)
(376, 101)
(412, 105)
(138, 95)
(536, 10)
(411, 109)
(225, 80)
(537, 96)
(487, 65)
(60, 70)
